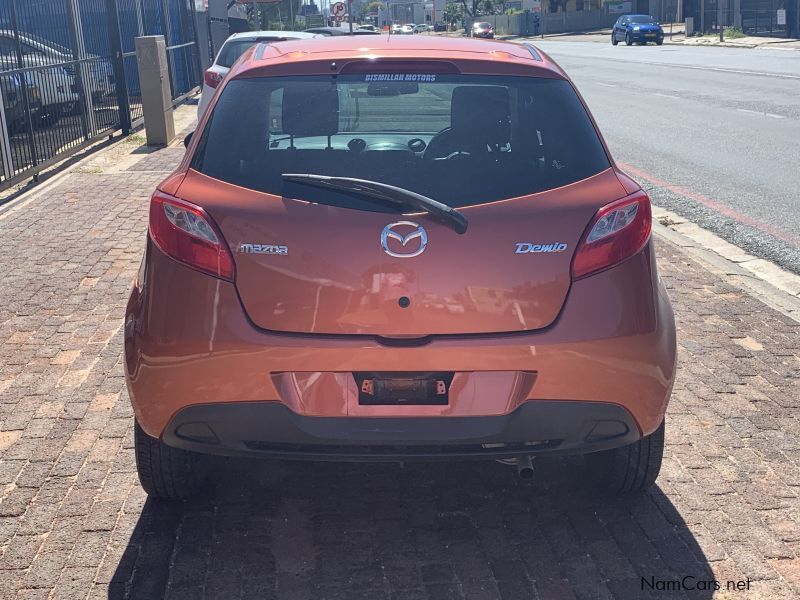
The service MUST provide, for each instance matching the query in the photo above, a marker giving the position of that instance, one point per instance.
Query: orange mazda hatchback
(393, 249)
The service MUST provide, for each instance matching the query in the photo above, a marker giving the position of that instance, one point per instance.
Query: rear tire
(614, 40)
(629, 469)
(165, 472)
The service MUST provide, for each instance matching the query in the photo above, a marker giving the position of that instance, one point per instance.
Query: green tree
(488, 7)
(453, 13)
(275, 15)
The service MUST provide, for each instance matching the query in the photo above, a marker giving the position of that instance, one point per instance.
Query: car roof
(254, 35)
(342, 48)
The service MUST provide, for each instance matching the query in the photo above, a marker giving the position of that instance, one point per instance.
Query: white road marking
(757, 112)
(666, 95)
(721, 70)
(605, 84)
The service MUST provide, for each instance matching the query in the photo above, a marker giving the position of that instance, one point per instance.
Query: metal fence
(68, 73)
(774, 18)
(528, 23)
(762, 18)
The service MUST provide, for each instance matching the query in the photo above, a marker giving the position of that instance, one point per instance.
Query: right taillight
(185, 232)
(212, 79)
(618, 231)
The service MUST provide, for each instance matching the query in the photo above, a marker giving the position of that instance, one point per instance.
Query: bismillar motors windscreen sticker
(425, 77)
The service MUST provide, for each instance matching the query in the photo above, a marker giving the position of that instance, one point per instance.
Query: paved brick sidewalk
(74, 522)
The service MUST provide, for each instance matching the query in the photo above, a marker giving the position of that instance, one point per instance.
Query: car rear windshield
(459, 139)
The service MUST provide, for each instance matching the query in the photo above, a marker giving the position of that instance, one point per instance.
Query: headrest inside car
(483, 111)
(310, 108)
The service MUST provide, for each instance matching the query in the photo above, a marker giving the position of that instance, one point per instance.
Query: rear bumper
(613, 344)
(271, 429)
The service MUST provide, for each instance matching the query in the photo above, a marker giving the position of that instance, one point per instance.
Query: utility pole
(350, 15)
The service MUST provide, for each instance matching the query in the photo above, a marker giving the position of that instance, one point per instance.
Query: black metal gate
(774, 18)
(68, 73)
(763, 17)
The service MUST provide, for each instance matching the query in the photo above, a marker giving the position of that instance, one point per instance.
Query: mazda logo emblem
(418, 231)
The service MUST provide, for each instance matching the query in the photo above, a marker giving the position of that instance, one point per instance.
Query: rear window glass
(458, 139)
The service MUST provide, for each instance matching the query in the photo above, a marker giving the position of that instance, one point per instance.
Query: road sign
(781, 16)
(315, 20)
(338, 9)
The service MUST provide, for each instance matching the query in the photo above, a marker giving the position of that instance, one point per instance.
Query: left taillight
(212, 79)
(186, 233)
(618, 231)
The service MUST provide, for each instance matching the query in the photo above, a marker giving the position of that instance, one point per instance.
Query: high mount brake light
(618, 231)
(212, 79)
(186, 233)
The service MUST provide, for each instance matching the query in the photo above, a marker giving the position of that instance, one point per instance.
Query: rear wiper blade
(386, 193)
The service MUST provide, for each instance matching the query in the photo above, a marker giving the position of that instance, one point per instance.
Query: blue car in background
(637, 28)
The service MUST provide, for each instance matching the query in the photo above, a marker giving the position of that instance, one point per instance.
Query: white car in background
(97, 69)
(56, 85)
(231, 50)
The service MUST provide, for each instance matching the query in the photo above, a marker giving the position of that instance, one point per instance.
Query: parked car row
(53, 92)
(410, 28)
(330, 31)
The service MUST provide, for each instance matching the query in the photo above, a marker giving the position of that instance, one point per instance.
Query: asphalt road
(712, 133)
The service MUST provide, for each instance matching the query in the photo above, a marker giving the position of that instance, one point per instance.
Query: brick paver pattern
(74, 522)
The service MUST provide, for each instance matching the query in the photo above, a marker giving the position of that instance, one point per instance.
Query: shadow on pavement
(435, 530)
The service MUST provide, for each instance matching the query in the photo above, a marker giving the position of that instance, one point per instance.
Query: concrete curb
(774, 286)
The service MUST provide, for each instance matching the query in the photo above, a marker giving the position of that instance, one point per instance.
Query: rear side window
(459, 139)
(233, 49)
